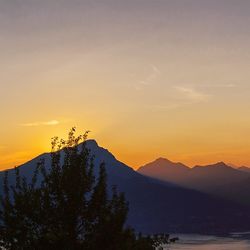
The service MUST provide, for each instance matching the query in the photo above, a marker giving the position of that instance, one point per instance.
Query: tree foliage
(65, 206)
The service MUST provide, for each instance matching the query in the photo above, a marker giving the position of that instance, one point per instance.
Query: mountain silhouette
(244, 169)
(217, 179)
(164, 169)
(156, 207)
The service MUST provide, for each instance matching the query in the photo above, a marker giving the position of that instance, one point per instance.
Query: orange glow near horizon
(158, 79)
(131, 152)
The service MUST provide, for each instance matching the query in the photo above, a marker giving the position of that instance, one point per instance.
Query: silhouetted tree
(65, 206)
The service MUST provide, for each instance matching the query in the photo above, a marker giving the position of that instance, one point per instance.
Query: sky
(149, 78)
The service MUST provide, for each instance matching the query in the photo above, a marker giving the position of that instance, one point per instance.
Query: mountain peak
(162, 167)
(220, 164)
(166, 162)
(92, 142)
(162, 160)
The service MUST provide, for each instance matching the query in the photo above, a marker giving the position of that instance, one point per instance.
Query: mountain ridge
(156, 207)
(216, 179)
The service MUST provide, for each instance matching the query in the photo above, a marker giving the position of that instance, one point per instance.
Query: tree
(65, 206)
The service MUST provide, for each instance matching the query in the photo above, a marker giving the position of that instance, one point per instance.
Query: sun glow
(154, 79)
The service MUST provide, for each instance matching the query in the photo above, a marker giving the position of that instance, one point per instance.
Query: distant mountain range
(244, 169)
(217, 179)
(157, 206)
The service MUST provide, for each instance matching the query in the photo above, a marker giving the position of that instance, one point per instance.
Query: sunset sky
(149, 78)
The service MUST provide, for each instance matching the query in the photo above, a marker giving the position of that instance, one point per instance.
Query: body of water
(236, 241)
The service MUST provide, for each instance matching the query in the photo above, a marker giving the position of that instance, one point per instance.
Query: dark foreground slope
(156, 207)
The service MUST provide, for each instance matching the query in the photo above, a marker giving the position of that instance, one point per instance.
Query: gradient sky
(149, 78)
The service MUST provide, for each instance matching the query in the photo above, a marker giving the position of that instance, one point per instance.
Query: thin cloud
(51, 123)
(36, 124)
(150, 78)
(222, 85)
(192, 94)
(227, 85)
(169, 106)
